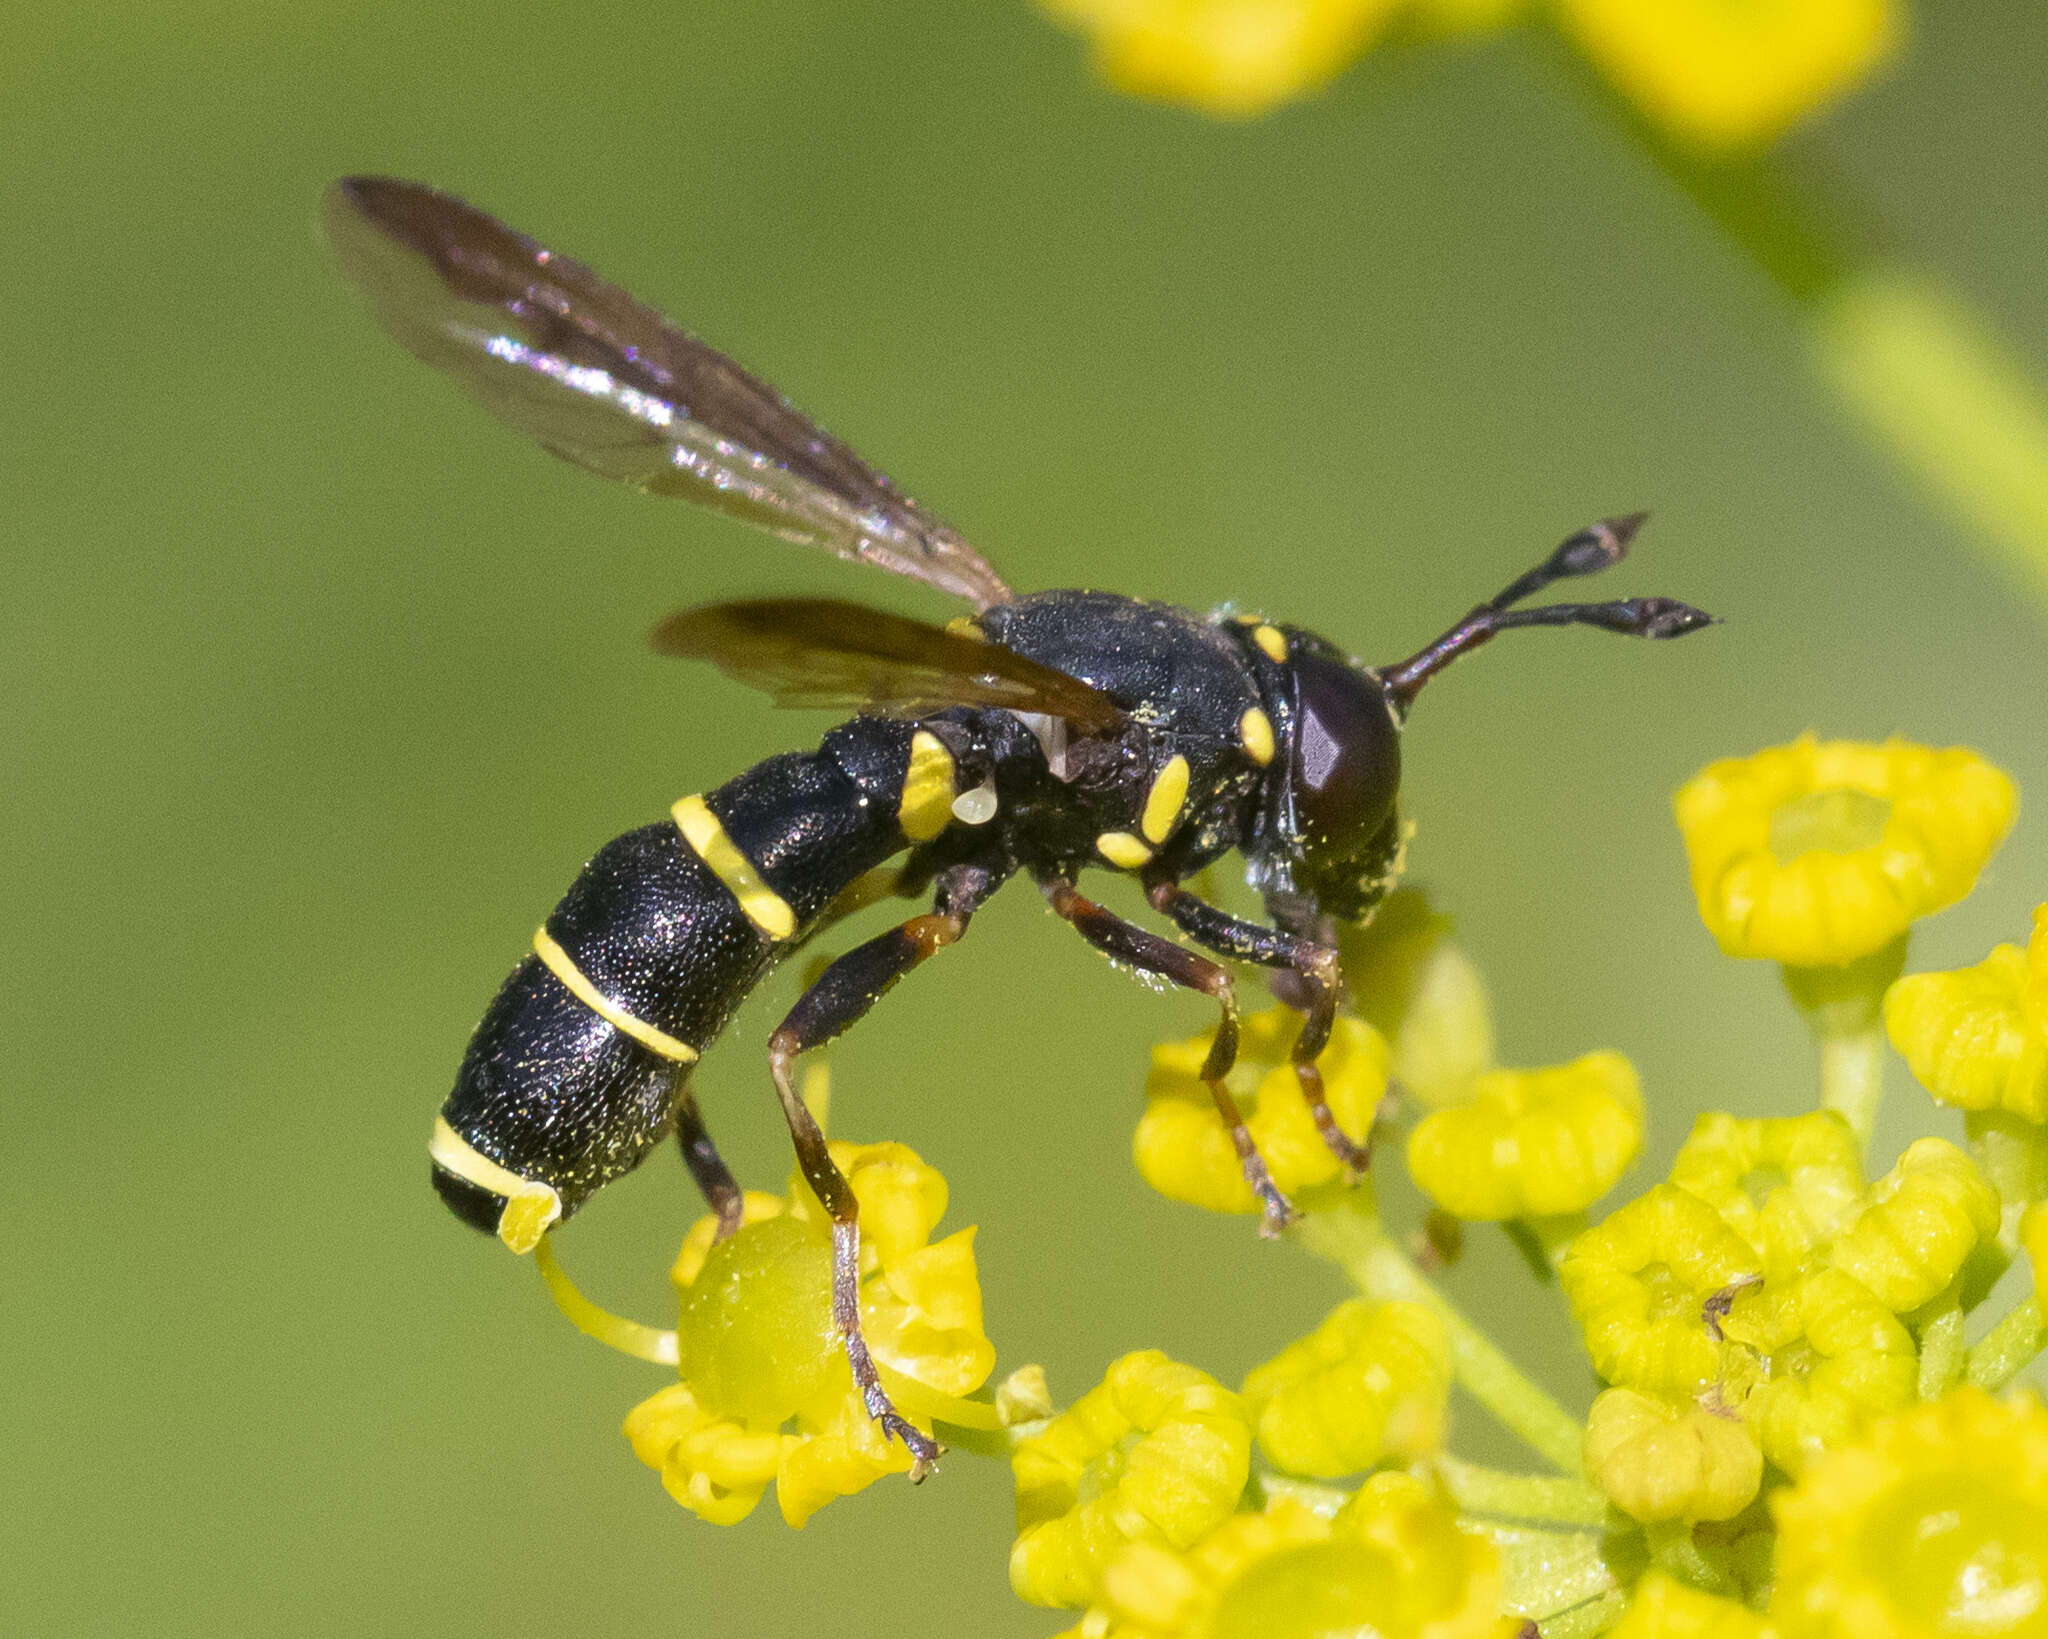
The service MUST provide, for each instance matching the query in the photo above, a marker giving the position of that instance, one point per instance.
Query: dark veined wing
(608, 383)
(824, 652)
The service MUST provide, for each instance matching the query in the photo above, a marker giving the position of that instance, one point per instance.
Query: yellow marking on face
(1122, 849)
(578, 984)
(765, 908)
(927, 788)
(530, 1206)
(1273, 641)
(1164, 801)
(1249, 620)
(1255, 734)
(966, 626)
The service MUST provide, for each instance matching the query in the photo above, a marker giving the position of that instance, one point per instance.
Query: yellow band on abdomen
(530, 1206)
(765, 908)
(578, 984)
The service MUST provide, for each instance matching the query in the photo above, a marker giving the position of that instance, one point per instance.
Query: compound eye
(1347, 754)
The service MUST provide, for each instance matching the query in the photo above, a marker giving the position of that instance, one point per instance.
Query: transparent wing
(823, 652)
(608, 383)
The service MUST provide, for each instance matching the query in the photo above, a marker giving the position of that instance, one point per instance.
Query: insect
(1042, 735)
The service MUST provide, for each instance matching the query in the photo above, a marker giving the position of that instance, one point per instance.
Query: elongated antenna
(1586, 553)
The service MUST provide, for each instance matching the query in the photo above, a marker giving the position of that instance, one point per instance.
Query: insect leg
(843, 993)
(1315, 965)
(1147, 952)
(721, 1191)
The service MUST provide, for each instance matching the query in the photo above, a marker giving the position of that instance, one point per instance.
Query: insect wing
(824, 652)
(608, 383)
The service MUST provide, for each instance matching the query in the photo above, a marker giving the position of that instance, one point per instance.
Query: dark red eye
(1347, 757)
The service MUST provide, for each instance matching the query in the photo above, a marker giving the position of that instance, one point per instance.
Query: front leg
(1147, 952)
(1314, 964)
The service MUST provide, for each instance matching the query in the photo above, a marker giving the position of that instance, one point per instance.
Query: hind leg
(843, 994)
(715, 1182)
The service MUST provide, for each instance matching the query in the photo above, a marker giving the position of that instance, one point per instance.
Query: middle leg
(1313, 964)
(1121, 942)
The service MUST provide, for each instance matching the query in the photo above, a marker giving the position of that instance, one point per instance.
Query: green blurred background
(318, 687)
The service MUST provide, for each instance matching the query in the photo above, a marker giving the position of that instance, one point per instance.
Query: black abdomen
(571, 1077)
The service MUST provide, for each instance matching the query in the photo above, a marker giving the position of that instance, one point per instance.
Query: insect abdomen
(570, 1078)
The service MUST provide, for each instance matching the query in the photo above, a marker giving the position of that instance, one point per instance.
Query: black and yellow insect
(1044, 735)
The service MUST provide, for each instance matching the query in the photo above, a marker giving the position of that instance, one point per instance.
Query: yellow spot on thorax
(530, 1206)
(765, 908)
(1164, 801)
(927, 801)
(966, 626)
(1273, 641)
(1255, 734)
(1122, 850)
(577, 983)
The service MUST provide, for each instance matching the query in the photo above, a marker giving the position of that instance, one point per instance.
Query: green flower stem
(1852, 1079)
(2009, 1348)
(1349, 1235)
(1540, 1499)
(2013, 1153)
(1320, 1500)
(1942, 1356)
(981, 1442)
(1675, 1550)
(1899, 350)
(1546, 1573)
(1596, 1616)
(627, 1336)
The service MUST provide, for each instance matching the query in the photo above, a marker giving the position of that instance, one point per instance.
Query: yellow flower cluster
(1725, 74)
(1229, 58)
(1367, 1385)
(1751, 1306)
(1935, 1522)
(766, 1394)
(1392, 1562)
(1157, 1453)
(1665, 1608)
(1818, 853)
(1708, 71)
(1185, 1153)
(1130, 1502)
(1531, 1143)
(1977, 1038)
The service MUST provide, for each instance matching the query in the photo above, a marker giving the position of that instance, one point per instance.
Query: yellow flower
(1639, 1282)
(1928, 1214)
(1183, 1151)
(1419, 990)
(1934, 1523)
(1664, 1608)
(2034, 1242)
(766, 1393)
(1664, 1459)
(1975, 1037)
(1392, 1563)
(1810, 1361)
(1820, 852)
(1723, 72)
(1230, 58)
(1532, 1143)
(1368, 1384)
(1786, 1184)
(1157, 1452)
(712, 1466)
